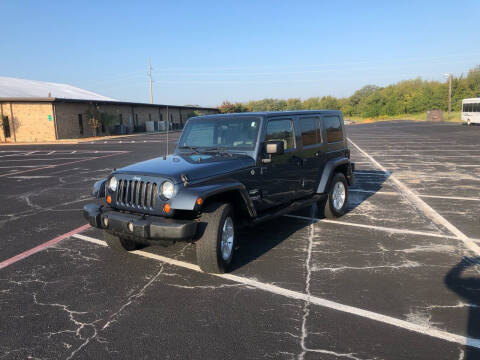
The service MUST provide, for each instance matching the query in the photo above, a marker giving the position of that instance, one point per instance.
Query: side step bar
(296, 205)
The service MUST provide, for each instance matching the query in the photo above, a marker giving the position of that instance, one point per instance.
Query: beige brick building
(49, 119)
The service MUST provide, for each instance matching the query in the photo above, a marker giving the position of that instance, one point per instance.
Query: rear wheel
(216, 246)
(336, 204)
(119, 244)
(469, 122)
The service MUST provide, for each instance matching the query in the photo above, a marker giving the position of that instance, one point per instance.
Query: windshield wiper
(193, 148)
(218, 150)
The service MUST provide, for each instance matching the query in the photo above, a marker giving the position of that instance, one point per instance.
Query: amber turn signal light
(199, 201)
(109, 199)
(166, 208)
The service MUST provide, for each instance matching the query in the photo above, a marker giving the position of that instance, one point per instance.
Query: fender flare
(186, 198)
(328, 172)
(98, 190)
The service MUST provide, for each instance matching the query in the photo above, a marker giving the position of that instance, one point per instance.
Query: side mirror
(275, 147)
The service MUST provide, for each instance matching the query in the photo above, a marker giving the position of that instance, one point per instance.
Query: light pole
(149, 73)
(449, 76)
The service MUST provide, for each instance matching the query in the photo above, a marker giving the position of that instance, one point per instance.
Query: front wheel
(336, 204)
(469, 122)
(216, 245)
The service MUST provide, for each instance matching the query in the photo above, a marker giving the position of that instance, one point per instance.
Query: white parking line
(424, 150)
(18, 166)
(61, 164)
(406, 325)
(380, 228)
(422, 205)
(48, 159)
(391, 193)
(371, 173)
(422, 163)
(430, 155)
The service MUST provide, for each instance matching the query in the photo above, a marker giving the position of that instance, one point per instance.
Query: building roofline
(105, 102)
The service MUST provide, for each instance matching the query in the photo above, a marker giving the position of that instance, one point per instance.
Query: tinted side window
(333, 128)
(476, 107)
(281, 130)
(310, 128)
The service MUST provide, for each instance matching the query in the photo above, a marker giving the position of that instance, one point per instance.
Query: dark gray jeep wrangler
(227, 172)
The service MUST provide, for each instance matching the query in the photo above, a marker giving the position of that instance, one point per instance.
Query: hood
(194, 166)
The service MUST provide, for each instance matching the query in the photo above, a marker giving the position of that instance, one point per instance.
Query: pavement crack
(138, 294)
(306, 305)
(80, 326)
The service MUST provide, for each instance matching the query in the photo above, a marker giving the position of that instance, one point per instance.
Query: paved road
(398, 277)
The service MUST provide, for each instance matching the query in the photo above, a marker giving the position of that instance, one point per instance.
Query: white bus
(471, 111)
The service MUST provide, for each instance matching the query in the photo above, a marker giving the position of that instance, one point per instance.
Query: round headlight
(167, 189)
(112, 184)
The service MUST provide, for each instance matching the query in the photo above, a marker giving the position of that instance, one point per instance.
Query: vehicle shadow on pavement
(367, 183)
(468, 287)
(256, 241)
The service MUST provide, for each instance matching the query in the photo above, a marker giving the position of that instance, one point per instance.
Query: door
(280, 179)
(312, 152)
(6, 127)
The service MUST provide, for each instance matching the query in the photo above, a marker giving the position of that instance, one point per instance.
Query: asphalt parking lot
(398, 277)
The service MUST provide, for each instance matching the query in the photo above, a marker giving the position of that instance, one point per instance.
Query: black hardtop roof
(274, 113)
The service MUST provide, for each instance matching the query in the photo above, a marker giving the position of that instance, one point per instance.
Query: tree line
(405, 97)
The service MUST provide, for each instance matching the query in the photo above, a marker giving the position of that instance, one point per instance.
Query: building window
(80, 123)
(121, 119)
(136, 120)
(6, 127)
(161, 117)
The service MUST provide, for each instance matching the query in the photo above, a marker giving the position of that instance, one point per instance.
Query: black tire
(330, 210)
(209, 253)
(119, 244)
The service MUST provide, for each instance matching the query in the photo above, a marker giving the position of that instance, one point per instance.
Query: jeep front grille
(137, 194)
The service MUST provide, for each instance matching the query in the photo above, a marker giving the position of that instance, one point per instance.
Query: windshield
(232, 133)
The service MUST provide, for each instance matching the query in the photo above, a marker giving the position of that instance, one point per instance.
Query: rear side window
(333, 128)
(310, 128)
(281, 130)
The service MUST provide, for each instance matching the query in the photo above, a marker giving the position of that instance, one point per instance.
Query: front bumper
(145, 228)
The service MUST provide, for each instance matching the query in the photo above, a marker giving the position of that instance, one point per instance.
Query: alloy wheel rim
(338, 195)
(226, 244)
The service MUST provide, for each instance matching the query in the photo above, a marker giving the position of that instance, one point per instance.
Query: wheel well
(342, 169)
(233, 197)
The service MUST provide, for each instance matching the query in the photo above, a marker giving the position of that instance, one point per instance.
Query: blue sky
(203, 52)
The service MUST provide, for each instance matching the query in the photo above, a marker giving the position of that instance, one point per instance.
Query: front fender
(328, 171)
(99, 189)
(186, 198)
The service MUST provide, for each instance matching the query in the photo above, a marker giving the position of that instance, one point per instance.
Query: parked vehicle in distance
(471, 111)
(228, 171)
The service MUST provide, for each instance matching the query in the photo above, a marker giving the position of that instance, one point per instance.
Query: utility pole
(149, 73)
(168, 128)
(449, 92)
